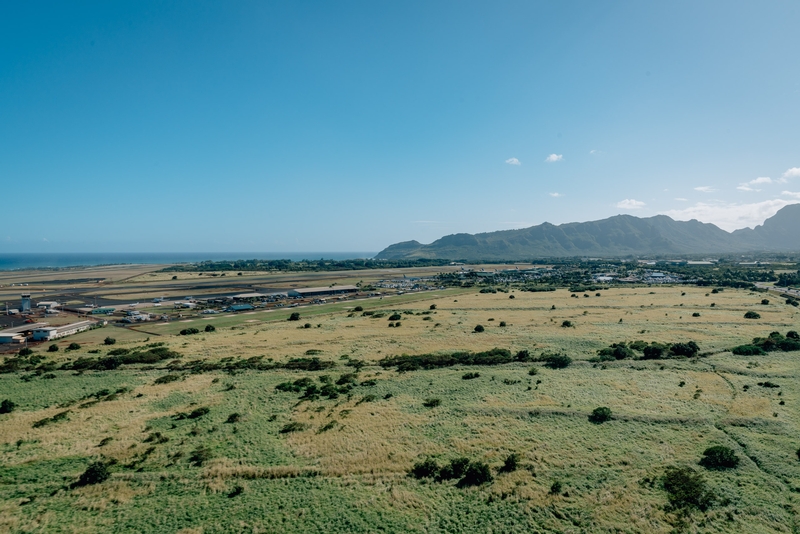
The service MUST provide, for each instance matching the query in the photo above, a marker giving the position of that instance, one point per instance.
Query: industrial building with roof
(322, 291)
(48, 333)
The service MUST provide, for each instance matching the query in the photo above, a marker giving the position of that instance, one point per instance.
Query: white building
(49, 333)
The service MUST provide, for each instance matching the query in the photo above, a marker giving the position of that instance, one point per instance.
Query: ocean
(57, 260)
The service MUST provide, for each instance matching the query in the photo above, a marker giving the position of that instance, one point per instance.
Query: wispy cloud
(45, 240)
(705, 189)
(730, 215)
(596, 152)
(553, 158)
(748, 186)
(630, 204)
(556, 195)
(794, 172)
(682, 199)
(790, 194)
(426, 222)
(513, 161)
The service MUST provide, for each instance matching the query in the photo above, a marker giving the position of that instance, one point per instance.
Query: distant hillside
(621, 235)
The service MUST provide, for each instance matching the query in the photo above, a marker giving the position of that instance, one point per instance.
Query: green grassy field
(344, 466)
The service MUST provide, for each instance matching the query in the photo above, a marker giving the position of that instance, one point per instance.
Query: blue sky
(348, 126)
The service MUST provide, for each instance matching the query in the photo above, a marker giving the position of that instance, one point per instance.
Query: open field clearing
(270, 425)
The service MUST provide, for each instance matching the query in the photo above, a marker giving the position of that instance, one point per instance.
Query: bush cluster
(467, 472)
(719, 457)
(494, 356)
(650, 351)
(772, 343)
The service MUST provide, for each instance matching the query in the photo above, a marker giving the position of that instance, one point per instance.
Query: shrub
(198, 412)
(294, 426)
(189, 331)
(511, 296)
(7, 406)
(502, 324)
(719, 457)
(558, 361)
(600, 415)
(752, 315)
(295, 316)
(556, 487)
(686, 488)
(695, 314)
(432, 307)
(210, 328)
(233, 418)
(457, 468)
(479, 328)
(395, 317)
(432, 403)
(511, 463)
(689, 349)
(73, 346)
(427, 468)
(200, 456)
(654, 352)
(109, 341)
(793, 335)
(307, 325)
(470, 376)
(358, 309)
(533, 371)
(25, 351)
(52, 348)
(748, 350)
(477, 473)
(566, 324)
(166, 379)
(94, 474)
(765, 302)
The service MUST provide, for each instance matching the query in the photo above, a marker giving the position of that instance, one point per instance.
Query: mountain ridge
(620, 235)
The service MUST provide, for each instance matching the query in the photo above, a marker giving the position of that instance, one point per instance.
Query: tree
(295, 316)
(25, 351)
(109, 341)
(479, 328)
(52, 348)
(477, 473)
(752, 315)
(566, 324)
(94, 474)
(7, 406)
(558, 361)
(511, 463)
(600, 415)
(73, 346)
(210, 328)
(719, 457)
(432, 307)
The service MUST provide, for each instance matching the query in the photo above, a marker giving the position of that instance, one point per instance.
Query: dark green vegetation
(431, 361)
(302, 266)
(719, 457)
(466, 472)
(686, 488)
(616, 236)
(774, 342)
(642, 350)
(600, 415)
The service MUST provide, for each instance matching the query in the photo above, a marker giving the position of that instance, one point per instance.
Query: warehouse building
(308, 292)
(48, 333)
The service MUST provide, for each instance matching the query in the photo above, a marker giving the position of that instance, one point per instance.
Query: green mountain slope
(616, 236)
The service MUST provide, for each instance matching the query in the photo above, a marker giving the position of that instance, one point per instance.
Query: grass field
(344, 465)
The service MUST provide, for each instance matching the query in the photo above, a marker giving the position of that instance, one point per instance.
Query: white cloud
(682, 199)
(552, 158)
(45, 240)
(730, 215)
(705, 189)
(745, 187)
(790, 194)
(556, 195)
(760, 180)
(630, 204)
(596, 152)
(513, 161)
(794, 172)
